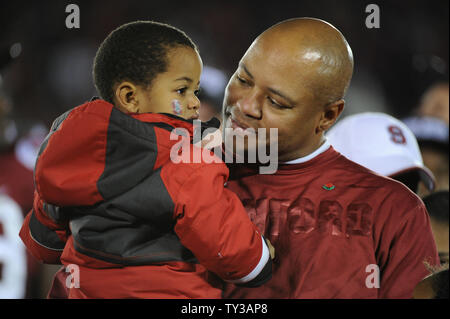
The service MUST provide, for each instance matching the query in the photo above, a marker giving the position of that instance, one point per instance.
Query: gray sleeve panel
(55, 126)
(131, 152)
(134, 228)
(127, 242)
(135, 248)
(149, 201)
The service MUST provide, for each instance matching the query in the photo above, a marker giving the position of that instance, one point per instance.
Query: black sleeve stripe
(264, 276)
(43, 235)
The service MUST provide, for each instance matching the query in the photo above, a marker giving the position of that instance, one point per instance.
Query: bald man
(339, 230)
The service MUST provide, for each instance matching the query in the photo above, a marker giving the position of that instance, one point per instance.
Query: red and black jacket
(108, 196)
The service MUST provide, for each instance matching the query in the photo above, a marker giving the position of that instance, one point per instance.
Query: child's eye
(197, 92)
(182, 91)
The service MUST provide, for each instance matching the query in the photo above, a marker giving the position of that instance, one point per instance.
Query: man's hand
(271, 248)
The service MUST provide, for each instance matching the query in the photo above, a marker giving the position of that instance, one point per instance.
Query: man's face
(270, 89)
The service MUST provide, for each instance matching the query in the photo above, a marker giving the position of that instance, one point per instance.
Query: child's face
(174, 91)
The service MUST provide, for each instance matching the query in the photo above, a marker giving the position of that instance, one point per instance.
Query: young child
(111, 205)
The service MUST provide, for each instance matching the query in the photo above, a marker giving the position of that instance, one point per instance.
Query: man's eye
(241, 80)
(277, 105)
(197, 92)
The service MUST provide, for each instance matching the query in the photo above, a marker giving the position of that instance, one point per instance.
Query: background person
(437, 207)
(20, 274)
(432, 136)
(429, 123)
(384, 145)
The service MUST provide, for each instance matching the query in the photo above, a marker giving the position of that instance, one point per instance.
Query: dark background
(393, 64)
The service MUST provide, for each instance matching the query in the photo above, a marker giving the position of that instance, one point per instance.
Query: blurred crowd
(401, 70)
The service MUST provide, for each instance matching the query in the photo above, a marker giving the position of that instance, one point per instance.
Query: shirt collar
(325, 146)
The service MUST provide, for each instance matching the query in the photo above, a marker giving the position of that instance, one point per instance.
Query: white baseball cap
(381, 143)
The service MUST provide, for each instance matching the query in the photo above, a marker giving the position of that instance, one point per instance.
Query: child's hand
(212, 140)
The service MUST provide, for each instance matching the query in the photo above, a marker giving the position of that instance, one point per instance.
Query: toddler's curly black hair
(135, 52)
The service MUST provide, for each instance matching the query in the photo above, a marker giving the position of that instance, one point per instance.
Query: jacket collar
(169, 121)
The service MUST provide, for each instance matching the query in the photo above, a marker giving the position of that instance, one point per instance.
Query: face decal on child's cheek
(176, 107)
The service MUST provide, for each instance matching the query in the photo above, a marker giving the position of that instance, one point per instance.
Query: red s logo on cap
(397, 134)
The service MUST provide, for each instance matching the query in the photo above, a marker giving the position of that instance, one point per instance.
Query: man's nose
(250, 105)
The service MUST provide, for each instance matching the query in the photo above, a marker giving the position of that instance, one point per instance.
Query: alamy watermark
(73, 18)
(373, 279)
(254, 145)
(73, 278)
(373, 19)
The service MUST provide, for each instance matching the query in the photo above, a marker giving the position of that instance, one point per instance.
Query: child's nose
(194, 103)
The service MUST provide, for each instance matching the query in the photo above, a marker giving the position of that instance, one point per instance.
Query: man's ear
(125, 97)
(330, 114)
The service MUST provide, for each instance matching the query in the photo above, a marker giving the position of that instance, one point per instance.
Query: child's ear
(125, 96)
